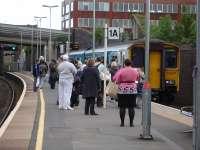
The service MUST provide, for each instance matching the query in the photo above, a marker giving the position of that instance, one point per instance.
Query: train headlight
(170, 82)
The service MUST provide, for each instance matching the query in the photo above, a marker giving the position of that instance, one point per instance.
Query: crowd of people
(75, 78)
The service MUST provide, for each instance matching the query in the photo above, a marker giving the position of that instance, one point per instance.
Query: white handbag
(112, 89)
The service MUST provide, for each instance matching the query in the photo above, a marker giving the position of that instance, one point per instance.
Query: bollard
(146, 112)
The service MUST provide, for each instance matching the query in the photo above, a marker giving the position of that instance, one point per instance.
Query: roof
(8, 30)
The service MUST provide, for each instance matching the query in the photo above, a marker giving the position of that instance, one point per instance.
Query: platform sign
(113, 33)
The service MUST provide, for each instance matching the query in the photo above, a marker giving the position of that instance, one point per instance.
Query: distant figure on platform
(53, 74)
(127, 91)
(66, 72)
(76, 85)
(113, 69)
(102, 74)
(90, 86)
(36, 75)
(43, 69)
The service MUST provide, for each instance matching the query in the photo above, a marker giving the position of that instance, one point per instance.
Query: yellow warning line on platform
(40, 131)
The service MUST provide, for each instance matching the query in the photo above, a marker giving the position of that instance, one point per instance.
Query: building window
(67, 8)
(123, 23)
(63, 10)
(88, 6)
(126, 8)
(189, 9)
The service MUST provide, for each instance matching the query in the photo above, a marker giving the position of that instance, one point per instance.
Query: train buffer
(72, 130)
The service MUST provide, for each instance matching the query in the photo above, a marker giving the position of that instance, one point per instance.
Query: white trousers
(64, 92)
(42, 79)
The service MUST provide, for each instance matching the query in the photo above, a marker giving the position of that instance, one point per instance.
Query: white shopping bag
(37, 82)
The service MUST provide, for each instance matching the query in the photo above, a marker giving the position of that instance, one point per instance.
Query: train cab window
(137, 57)
(170, 58)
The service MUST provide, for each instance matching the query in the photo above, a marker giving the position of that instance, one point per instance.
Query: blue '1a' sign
(113, 33)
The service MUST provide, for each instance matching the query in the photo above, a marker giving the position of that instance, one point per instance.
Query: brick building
(119, 13)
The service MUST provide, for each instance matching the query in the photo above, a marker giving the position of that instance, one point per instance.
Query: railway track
(7, 95)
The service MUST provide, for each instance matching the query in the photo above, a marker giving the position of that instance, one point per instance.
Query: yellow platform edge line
(40, 132)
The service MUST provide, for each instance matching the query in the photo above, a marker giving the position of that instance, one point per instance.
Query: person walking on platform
(127, 91)
(43, 69)
(53, 74)
(35, 75)
(90, 86)
(102, 73)
(66, 72)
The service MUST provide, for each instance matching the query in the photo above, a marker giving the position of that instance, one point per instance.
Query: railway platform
(46, 127)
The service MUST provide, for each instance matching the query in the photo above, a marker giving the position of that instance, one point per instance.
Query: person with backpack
(43, 69)
(53, 74)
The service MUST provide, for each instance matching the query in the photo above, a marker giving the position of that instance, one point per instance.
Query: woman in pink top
(127, 89)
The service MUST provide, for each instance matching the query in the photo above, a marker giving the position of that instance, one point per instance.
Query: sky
(22, 12)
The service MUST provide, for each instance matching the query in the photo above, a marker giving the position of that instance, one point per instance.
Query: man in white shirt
(66, 72)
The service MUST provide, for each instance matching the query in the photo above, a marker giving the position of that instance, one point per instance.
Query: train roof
(153, 41)
(111, 48)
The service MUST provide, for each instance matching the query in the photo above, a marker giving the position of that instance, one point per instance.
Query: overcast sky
(22, 12)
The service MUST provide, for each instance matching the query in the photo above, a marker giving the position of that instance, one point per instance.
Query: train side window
(170, 58)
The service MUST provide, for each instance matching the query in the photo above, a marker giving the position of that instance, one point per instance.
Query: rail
(11, 102)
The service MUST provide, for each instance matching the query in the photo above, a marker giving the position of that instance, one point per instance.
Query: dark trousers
(34, 84)
(89, 105)
(122, 113)
(100, 95)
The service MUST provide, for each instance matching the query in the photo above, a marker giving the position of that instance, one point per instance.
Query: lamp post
(69, 29)
(37, 54)
(40, 20)
(50, 46)
(93, 42)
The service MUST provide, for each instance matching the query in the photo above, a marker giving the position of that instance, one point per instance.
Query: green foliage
(164, 31)
(99, 35)
(184, 32)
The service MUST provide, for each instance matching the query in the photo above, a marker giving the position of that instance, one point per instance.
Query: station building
(119, 13)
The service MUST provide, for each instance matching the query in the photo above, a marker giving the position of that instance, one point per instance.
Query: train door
(155, 69)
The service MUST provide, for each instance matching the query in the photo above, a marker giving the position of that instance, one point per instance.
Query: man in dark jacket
(35, 75)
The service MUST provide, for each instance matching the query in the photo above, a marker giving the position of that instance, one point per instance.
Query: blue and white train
(119, 52)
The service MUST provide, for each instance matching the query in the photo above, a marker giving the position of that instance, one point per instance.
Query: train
(164, 67)
(118, 52)
(164, 64)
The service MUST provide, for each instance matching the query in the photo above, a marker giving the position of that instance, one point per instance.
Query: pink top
(126, 75)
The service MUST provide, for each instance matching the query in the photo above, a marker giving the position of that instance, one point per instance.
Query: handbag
(112, 89)
(37, 82)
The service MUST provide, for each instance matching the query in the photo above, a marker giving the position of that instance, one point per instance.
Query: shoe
(131, 125)
(70, 108)
(94, 114)
(60, 107)
(86, 114)
(122, 125)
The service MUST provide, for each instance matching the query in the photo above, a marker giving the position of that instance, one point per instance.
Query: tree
(185, 30)
(99, 35)
(164, 30)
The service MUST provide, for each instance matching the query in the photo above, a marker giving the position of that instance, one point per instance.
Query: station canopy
(28, 32)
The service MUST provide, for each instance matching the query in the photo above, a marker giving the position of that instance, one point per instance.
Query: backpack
(43, 69)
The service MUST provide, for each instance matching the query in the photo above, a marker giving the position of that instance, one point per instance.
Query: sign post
(196, 87)
(105, 63)
(146, 92)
